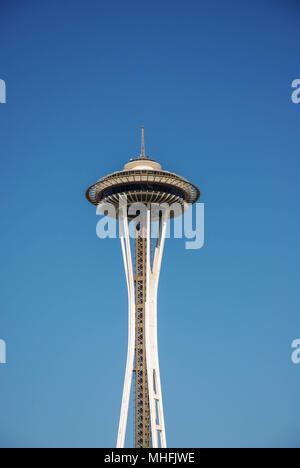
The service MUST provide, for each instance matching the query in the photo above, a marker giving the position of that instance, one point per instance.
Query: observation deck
(143, 181)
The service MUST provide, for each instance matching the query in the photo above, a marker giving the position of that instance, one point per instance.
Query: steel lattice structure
(142, 408)
(143, 181)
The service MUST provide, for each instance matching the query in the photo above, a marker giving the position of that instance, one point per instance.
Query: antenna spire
(143, 154)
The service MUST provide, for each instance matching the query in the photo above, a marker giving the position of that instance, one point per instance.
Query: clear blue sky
(211, 82)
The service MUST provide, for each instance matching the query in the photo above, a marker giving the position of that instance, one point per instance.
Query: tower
(143, 193)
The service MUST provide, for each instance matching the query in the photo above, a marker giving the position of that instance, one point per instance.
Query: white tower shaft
(149, 335)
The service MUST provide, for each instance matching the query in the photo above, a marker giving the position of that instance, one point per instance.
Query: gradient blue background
(211, 82)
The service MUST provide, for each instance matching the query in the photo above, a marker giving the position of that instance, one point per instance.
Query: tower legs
(142, 355)
(127, 257)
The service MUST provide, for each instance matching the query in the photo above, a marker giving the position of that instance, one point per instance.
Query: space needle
(143, 183)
